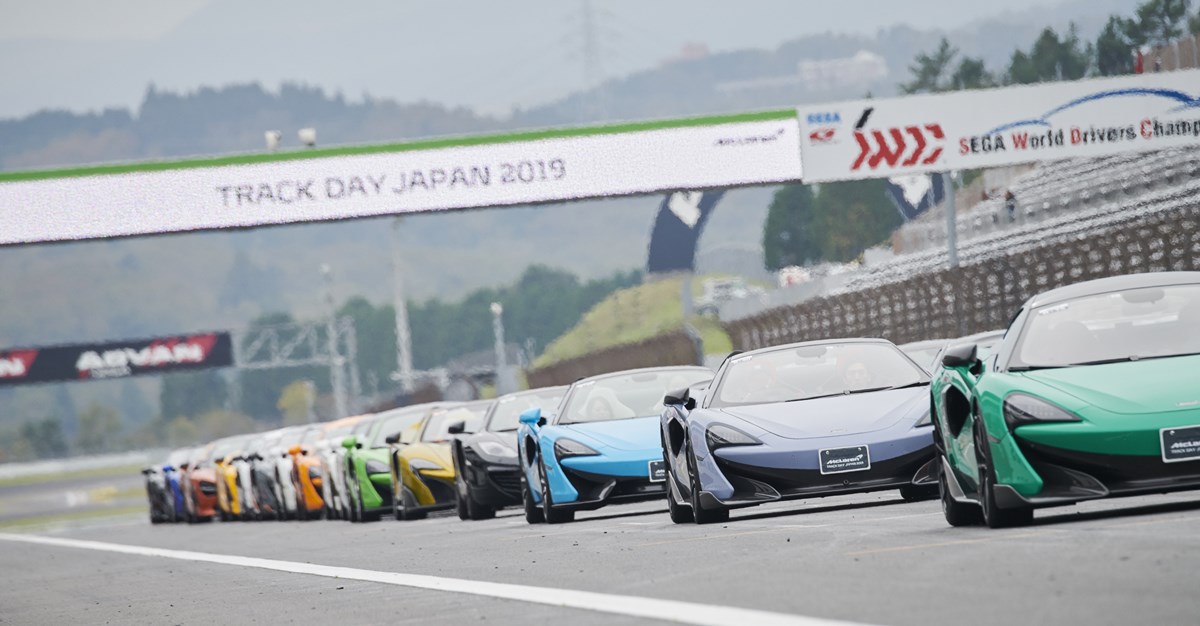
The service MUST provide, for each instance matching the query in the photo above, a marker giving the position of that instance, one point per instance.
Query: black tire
(477, 511)
(405, 506)
(533, 513)
(994, 516)
(918, 493)
(552, 515)
(699, 514)
(460, 501)
(957, 513)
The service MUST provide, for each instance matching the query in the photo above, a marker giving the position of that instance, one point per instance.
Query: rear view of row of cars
(1092, 391)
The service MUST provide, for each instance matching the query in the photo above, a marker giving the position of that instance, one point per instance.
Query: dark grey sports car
(799, 421)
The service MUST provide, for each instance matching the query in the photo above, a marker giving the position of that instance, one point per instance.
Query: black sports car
(487, 471)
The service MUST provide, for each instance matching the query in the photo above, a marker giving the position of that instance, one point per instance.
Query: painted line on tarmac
(630, 606)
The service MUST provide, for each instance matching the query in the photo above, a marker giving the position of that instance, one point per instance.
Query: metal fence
(673, 348)
(985, 295)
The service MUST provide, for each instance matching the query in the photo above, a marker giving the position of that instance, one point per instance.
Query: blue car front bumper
(590, 482)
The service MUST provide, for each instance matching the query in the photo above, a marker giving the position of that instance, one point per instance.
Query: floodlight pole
(951, 219)
(400, 303)
(337, 375)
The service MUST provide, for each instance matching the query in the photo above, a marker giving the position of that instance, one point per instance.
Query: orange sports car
(200, 486)
(308, 475)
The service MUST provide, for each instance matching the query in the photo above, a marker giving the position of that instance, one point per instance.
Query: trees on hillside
(1054, 56)
(835, 223)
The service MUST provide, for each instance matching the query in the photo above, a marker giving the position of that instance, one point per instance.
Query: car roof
(1113, 283)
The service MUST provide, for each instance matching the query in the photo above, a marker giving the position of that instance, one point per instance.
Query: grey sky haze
(86, 55)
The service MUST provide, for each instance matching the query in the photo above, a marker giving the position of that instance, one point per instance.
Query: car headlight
(721, 436)
(314, 471)
(378, 467)
(564, 448)
(496, 449)
(418, 465)
(1021, 409)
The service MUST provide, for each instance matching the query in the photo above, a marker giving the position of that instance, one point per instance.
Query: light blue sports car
(601, 446)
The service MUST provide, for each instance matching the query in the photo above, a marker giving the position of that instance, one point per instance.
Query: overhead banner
(883, 138)
(115, 359)
(518, 169)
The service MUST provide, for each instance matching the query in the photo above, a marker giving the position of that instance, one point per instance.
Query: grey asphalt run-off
(866, 558)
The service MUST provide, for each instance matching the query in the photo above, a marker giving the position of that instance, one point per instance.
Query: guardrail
(983, 295)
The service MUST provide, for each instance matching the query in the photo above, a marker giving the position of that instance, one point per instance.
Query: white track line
(632, 606)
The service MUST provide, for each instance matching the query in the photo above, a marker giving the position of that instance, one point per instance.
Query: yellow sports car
(422, 468)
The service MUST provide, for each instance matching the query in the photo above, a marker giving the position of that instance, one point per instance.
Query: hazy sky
(88, 54)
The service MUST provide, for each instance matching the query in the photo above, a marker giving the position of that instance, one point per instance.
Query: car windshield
(811, 371)
(506, 415)
(624, 396)
(395, 423)
(925, 357)
(437, 428)
(1133, 324)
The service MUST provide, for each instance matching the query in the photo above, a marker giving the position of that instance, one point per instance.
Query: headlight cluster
(418, 465)
(564, 448)
(495, 449)
(1021, 409)
(377, 467)
(721, 436)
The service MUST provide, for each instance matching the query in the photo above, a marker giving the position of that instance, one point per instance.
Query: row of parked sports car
(1092, 391)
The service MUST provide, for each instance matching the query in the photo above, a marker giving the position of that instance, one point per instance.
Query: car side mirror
(963, 355)
(294, 450)
(682, 397)
(457, 428)
(392, 439)
(168, 468)
(183, 467)
(532, 417)
(148, 471)
(349, 442)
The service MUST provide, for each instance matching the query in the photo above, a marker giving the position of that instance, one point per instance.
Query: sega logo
(824, 118)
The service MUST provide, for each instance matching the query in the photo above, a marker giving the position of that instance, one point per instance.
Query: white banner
(992, 127)
(143, 201)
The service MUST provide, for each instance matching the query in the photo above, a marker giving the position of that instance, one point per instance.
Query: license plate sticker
(1180, 444)
(658, 472)
(841, 460)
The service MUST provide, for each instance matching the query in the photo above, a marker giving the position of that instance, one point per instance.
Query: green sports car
(1093, 392)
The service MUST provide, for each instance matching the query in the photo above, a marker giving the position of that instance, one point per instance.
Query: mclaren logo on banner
(115, 359)
(677, 229)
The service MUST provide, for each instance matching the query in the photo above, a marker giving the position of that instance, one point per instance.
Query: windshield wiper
(851, 392)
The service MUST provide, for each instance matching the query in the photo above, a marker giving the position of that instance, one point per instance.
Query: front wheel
(552, 515)
(702, 515)
(957, 513)
(994, 516)
(680, 514)
(533, 513)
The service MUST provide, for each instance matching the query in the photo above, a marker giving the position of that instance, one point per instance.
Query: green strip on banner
(424, 144)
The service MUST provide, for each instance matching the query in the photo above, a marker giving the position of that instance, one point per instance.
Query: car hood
(637, 433)
(437, 452)
(836, 415)
(507, 439)
(1149, 386)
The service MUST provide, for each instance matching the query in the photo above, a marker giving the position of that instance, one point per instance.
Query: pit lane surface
(867, 559)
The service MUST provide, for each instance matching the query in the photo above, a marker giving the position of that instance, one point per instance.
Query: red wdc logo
(896, 146)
